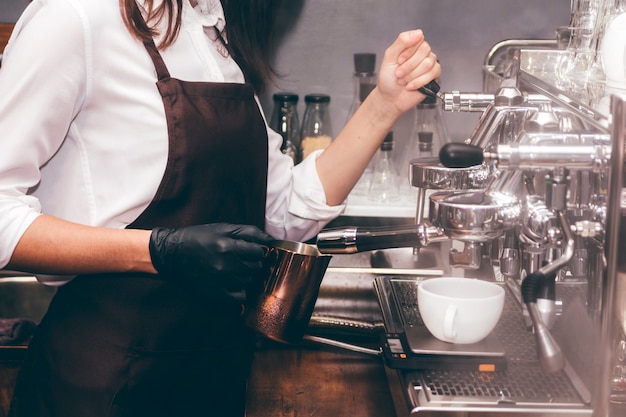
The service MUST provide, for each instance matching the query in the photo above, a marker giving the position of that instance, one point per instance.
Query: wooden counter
(317, 381)
(289, 382)
(8, 376)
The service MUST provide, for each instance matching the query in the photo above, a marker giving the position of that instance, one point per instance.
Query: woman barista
(138, 174)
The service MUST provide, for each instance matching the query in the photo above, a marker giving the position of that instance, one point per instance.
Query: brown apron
(132, 344)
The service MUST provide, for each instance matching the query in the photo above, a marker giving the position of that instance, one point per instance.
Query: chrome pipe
(497, 48)
(342, 345)
(541, 152)
(568, 252)
(546, 156)
(456, 101)
(615, 245)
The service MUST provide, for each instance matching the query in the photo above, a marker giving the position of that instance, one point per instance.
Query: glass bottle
(285, 121)
(430, 124)
(384, 183)
(317, 131)
(429, 134)
(364, 79)
(364, 82)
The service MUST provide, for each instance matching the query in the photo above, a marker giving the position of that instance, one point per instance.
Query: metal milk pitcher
(283, 309)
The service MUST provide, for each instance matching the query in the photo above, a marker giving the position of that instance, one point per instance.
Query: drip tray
(522, 387)
(519, 385)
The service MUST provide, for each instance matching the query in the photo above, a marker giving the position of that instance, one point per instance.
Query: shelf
(360, 206)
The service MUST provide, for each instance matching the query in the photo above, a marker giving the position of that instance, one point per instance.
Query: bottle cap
(425, 137)
(317, 98)
(286, 96)
(387, 144)
(365, 63)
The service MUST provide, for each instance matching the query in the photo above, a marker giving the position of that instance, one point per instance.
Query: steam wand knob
(461, 155)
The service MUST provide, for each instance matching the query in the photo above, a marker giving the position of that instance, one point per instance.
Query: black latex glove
(204, 254)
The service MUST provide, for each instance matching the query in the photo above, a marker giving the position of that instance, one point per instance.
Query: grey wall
(315, 54)
(318, 38)
(10, 10)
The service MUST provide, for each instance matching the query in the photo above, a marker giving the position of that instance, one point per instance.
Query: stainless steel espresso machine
(534, 201)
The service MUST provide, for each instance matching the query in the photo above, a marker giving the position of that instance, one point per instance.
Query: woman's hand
(209, 255)
(407, 65)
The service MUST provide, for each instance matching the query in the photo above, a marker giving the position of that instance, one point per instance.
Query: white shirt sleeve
(296, 206)
(47, 66)
(84, 135)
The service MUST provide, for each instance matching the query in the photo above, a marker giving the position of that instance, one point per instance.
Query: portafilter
(469, 216)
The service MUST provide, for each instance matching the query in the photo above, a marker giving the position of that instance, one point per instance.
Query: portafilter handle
(362, 239)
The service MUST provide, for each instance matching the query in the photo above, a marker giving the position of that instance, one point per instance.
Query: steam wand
(550, 354)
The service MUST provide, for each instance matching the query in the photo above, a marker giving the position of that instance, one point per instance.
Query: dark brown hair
(249, 30)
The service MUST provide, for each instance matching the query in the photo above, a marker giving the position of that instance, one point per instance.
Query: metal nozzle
(338, 240)
(548, 350)
(457, 101)
(550, 355)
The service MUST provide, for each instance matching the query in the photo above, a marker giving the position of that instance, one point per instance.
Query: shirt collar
(210, 13)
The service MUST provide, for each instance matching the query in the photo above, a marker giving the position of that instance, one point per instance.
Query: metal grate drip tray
(522, 386)
(518, 385)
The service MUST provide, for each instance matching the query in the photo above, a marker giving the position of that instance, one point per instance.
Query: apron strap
(157, 59)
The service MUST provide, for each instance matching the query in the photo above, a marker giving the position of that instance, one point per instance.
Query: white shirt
(83, 134)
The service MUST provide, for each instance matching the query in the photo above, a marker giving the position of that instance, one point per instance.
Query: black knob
(430, 90)
(460, 155)
(433, 86)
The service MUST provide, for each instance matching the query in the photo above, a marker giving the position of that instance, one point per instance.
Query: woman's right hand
(208, 254)
(408, 64)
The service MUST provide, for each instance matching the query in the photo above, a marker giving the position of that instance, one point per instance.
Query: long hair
(249, 31)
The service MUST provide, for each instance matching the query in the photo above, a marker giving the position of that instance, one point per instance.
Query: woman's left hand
(407, 65)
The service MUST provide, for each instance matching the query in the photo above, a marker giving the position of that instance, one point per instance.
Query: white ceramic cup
(460, 310)
(613, 52)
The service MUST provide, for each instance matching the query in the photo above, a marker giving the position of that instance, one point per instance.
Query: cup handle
(448, 323)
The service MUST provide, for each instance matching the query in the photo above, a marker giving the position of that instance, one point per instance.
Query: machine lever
(432, 90)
